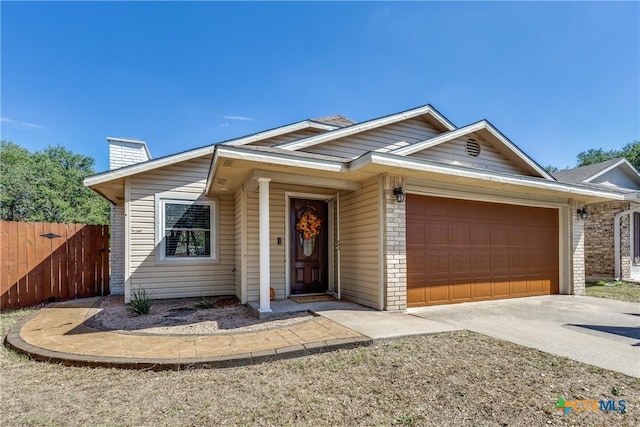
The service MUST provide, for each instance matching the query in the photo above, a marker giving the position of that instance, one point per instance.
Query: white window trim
(160, 200)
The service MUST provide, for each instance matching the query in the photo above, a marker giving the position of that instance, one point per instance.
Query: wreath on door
(309, 226)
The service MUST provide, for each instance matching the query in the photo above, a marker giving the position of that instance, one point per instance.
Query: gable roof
(141, 167)
(589, 172)
(469, 129)
(368, 125)
(337, 120)
(282, 130)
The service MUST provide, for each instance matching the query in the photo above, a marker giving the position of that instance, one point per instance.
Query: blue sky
(556, 78)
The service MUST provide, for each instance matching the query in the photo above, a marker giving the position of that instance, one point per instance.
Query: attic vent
(221, 181)
(227, 162)
(472, 147)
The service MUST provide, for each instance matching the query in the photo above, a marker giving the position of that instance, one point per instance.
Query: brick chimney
(125, 152)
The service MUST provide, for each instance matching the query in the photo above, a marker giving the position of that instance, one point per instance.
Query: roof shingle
(582, 173)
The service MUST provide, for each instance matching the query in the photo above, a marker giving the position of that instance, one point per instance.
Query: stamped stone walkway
(58, 333)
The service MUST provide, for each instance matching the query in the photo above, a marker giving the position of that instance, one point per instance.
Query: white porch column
(265, 271)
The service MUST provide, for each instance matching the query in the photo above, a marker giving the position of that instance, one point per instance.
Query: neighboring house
(402, 210)
(612, 229)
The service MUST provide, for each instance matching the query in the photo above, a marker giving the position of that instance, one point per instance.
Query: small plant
(206, 303)
(141, 301)
(616, 391)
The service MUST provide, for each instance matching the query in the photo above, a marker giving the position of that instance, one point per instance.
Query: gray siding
(617, 177)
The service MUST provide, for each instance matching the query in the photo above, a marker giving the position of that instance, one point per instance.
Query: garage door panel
(480, 235)
(518, 286)
(437, 234)
(481, 290)
(518, 260)
(459, 261)
(471, 251)
(501, 287)
(415, 264)
(439, 210)
(538, 286)
(438, 292)
(481, 262)
(416, 297)
(437, 262)
(461, 291)
(417, 234)
(517, 236)
(499, 235)
(500, 261)
(460, 234)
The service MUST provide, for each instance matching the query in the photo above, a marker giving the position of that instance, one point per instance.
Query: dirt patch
(450, 379)
(188, 316)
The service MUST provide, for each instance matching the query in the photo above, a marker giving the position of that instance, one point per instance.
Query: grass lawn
(459, 378)
(614, 290)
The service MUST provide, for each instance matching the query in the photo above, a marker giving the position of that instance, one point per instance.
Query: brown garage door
(460, 250)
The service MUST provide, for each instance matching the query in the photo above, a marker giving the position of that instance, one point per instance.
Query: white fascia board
(357, 128)
(518, 152)
(279, 131)
(279, 159)
(146, 166)
(426, 166)
(442, 138)
(212, 169)
(474, 127)
(623, 161)
(299, 179)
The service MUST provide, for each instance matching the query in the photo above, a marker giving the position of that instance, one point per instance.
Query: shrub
(141, 301)
(206, 303)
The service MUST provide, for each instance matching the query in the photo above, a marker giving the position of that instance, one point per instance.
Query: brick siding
(395, 247)
(599, 243)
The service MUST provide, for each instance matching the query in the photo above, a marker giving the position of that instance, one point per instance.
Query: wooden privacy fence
(45, 262)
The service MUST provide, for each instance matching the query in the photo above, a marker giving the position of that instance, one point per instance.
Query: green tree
(631, 152)
(46, 186)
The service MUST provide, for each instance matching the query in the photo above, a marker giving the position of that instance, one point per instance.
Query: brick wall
(578, 244)
(116, 254)
(599, 240)
(395, 247)
(625, 247)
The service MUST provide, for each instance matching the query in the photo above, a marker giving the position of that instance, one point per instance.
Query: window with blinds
(187, 230)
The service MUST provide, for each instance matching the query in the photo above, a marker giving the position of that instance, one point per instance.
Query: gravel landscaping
(458, 378)
(188, 316)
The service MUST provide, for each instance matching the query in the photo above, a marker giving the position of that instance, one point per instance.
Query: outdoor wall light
(400, 194)
(582, 213)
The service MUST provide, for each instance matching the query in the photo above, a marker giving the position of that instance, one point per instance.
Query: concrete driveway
(597, 331)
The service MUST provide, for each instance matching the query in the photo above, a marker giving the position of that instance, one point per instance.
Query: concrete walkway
(57, 333)
(596, 331)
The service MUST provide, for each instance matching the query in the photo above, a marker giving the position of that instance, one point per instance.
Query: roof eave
(391, 160)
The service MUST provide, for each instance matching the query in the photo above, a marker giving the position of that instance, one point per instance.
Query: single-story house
(612, 228)
(399, 211)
